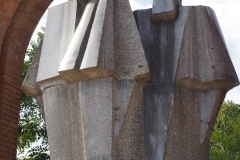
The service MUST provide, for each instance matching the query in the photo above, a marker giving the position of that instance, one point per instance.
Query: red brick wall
(18, 19)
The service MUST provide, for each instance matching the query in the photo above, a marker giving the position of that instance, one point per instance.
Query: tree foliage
(225, 140)
(32, 136)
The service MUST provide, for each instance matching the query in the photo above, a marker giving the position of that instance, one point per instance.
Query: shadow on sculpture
(118, 85)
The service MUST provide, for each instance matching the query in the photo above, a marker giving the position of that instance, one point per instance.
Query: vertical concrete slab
(76, 123)
(123, 96)
(91, 56)
(128, 47)
(78, 40)
(60, 28)
(58, 122)
(157, 104)
(129, 144)
(96, 102)
(162, 45)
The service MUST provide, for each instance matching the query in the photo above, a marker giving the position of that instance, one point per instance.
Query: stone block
(130, 61)
(73, 57)
(162, 45)
(204, 62)
(163, 10)
(58, 122)
(96, 102)
(96, 59)
(123, 95)
(158, 101)
(29, 85)
(129, 143)
(60, 28)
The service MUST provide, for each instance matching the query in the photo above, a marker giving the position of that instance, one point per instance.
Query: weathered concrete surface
(204, 63)
(123, 95)
(184, 54)
(60, 28)
(157, 101)
(128, 47)
(129, 144)
(58, 122)
(77, 46)
(104, 111)
(96, 103)
(29, 85)
(165, 10)
(162, 45)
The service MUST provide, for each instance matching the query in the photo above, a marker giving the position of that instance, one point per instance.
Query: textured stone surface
(187, 88)
(104, 111)
(29, 85)
(162, 45)
(129, 144)
(64, 121)
(157, 103)
(165, 9)
(97, 111)
(77, 45)
(60, 28)
(204, 63)
(129, 54)
(123, 96)
(58, 122)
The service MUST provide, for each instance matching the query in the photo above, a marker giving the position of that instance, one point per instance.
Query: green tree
(225, 140)
(32, 129)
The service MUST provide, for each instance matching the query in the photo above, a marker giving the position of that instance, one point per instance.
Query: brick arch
(18, 19)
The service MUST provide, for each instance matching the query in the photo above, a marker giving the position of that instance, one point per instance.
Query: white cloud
(136, 4)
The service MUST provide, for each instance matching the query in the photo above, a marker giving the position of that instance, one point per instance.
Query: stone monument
(118, 85)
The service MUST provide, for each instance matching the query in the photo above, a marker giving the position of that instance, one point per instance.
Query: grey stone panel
(75, 51)
(204, 61)
(129, 144)
(203, 131)
(92, 54)
(29, 85)
(76, 123)
(162, 44)
(58, 122)
(208, 99)
(128, 48)
(157, 103)
(123, 96)
(60, 28)
(97, 58)
(211, 101)
(165, 10)
(96, 104)
(184, 128)
(188, 136)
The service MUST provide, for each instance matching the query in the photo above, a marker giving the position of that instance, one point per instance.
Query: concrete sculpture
(118, 85)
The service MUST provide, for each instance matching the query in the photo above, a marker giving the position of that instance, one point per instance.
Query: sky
(228, 14)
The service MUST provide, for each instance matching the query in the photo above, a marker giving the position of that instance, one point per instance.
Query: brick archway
(18, 19)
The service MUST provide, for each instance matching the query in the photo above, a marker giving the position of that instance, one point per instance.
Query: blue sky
(228, 13)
